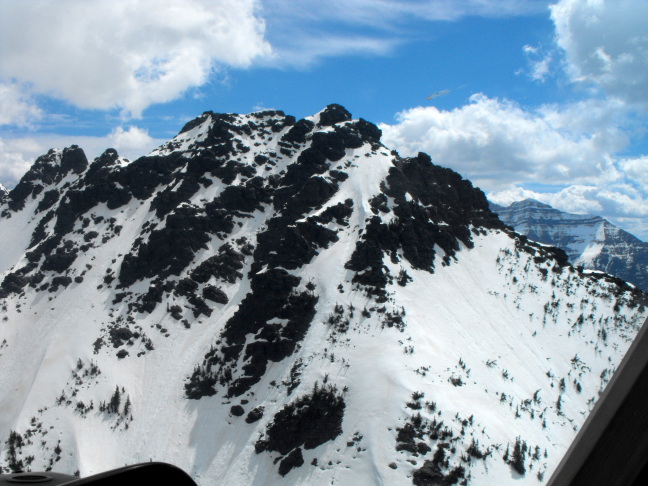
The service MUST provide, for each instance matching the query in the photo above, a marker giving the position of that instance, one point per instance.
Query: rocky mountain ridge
(265, 300)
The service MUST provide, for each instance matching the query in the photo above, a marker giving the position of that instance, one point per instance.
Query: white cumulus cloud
(132, 142)
(128, 54)
(606, 45)
(497, 143)
(15, 107)
(16, 157)
(510, 151)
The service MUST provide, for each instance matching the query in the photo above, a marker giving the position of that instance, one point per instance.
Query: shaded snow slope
(265, 301)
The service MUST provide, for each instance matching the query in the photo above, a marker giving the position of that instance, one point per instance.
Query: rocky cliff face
(265, 300)
(590, 241)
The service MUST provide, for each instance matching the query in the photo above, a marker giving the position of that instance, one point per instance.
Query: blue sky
(544, 99)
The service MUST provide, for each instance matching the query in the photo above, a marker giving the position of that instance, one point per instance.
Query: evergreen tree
(127, 406)
(518, 456)
(115, 400)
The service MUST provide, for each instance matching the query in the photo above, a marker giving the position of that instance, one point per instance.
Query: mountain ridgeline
(266, 300)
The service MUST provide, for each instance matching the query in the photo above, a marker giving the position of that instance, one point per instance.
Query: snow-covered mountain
(3, 192)
(589, 241)
(267, 301)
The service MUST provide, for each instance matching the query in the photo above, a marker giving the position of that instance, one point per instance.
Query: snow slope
(267, 301)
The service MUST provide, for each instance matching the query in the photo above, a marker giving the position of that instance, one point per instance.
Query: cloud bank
(15, 107)
(508, 150)
(127, 55)
(498, 143)
(606, 46)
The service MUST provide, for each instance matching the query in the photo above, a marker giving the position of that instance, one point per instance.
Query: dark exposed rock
(176, 312)
(196, 122)
(13, 283)
(186, 287)
(333, 114)
(432, 206)
(311, 195)
(378, 204)
(59, 281)
(237, 410)
(254, 415)
(272, 296)
(48, 200)
(368, 130)
(171, 249)
(291, 246)
(339, 212)
(60, 260)
(73, 160)
(39, 233)
(297, 134)
(48, 170)
(90, 235)
(292, 460)
(120, 335)
(225, 266)
(332, 144)
(231, 169)
(214, 294)
(151, 298)
(308, 422)
(141, 178)
(272, 299)
(430, 474)
(246, 198)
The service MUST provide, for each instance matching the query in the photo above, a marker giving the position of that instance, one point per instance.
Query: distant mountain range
(589, 241)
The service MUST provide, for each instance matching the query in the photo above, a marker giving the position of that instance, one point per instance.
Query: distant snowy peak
(590, 241)
(529, 212)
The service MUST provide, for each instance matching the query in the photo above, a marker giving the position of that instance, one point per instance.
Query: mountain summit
(265, 300)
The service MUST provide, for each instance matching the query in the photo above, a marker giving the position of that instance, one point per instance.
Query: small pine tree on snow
(518, 456)
(115, 400)
(127, 406)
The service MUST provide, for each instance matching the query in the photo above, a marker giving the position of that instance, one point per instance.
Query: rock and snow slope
(589, 241)
(270, 301)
